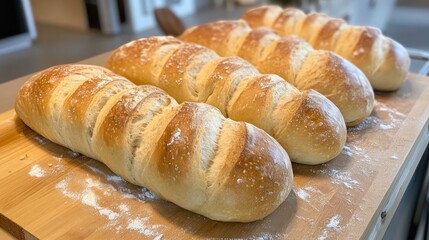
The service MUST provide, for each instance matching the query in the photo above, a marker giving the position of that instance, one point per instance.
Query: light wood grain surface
(49, 192)
(5, 235)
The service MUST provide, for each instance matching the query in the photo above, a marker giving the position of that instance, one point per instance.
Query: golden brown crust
(262, 104)
(244, 175)
(309, 25)
(181, 59)
(42, 88)
(147, 48)
(394, 67)
(220, 81)
(281, 59)
(253, 41)
(359, 49)
(354, 105)
(79, 101)
(172, 156)
(230, 82)
(341, 82)
(312, 125)
(384, 63)
(144, 136)
(326, 36)
(221, 39)
(271, 13)
(286, 21)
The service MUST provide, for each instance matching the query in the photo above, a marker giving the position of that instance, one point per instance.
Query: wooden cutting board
(50, 192)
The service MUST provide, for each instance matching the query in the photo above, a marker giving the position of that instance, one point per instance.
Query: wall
(414, 3)
(64, 13)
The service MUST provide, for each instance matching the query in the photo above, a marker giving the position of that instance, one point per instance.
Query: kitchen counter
(47, 191)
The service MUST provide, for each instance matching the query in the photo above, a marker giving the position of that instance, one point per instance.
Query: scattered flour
(267, 236)
(89, 191)
(141, 225)
(175, 137)
(111, 215)
(312, 190)
(372, 122)
(302, 194)
(87, 197)
(391, 110)
(338, 177)
(384, 117)
(121, 185)
(37, 171)
(123, 208)
(342, 177)
(116, 179)
(347, 151)
(333, 224)
(305, 219)
(354, 150)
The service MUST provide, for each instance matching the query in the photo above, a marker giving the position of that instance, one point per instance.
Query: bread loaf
(294, 60)
(384, 61)
(306, 124)
(188, 154)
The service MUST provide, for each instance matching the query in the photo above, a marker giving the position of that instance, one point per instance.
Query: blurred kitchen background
(35, 34)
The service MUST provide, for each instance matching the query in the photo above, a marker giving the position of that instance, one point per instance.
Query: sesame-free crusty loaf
(305, 123)
(384, 61)
(293, 59)
(188, 154)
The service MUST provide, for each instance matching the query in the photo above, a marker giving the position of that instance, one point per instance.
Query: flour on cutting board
(354, 150)
(384, 117)
(122, 186)
(386, 108)
(308, 194)
(36, 171)
(90, 190)
(338, 177)
(312, 200)
(332, 225)
(266, 236)
(142, 226)
(352, 180)
(310, 197)
(39, 171)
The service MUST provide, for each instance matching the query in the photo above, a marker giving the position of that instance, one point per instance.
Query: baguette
(384, 61)
(294, 60)
(188, 154)
(306, 124)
